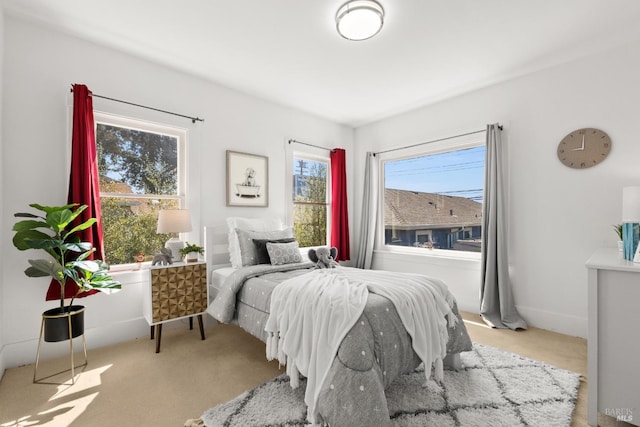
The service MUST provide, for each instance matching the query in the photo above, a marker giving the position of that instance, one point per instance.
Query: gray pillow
(284, 253)
(261, 248)
(248, 252)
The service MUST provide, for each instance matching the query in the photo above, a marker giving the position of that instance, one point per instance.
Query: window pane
(310, 201)
(129, 227)
(142, 166)
(310, 224)
(435, 200)
(135, 161)
(309, 180)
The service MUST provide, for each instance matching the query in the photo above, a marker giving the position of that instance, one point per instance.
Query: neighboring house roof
(405, 209)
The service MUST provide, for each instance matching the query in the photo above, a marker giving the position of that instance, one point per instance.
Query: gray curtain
(369, 213)
(497, 306)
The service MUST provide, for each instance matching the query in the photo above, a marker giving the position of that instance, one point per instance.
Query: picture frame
(247, 179)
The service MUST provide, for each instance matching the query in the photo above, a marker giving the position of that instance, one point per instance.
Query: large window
(310, 200)
(141, 171)
(433, 200)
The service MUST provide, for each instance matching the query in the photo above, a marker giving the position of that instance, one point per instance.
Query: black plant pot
(56, 323)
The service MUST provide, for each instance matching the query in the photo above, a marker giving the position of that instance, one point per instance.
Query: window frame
(158, 128)
(436, 147)
(312, 156)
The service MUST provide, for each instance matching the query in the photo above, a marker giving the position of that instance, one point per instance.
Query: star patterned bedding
(374, 352)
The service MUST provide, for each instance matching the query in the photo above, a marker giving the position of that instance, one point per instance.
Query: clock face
(584, 148)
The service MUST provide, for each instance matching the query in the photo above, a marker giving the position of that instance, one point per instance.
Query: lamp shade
(174, 221)
(631, 204)
(359, 19)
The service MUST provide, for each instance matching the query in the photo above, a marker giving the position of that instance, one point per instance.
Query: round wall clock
(584, 148)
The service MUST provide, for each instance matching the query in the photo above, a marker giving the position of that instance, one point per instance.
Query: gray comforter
(374, 353)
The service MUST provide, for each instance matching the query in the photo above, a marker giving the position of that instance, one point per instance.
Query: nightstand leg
(152, 331)
(191, 323)
(201, 325)
(159, 338)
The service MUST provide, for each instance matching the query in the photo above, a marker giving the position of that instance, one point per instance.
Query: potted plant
(191, 251)
(54, 233)
(618, 230)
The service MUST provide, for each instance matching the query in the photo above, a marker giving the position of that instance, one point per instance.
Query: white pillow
(250, 224)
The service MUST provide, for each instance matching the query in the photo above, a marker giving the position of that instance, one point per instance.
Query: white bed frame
(216, 246)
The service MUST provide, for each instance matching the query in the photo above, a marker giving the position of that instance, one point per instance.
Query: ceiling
(288, 51)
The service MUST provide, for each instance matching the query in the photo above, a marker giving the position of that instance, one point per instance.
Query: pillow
(253, 224)
(284, 253)
(261, 248)
(248, 251)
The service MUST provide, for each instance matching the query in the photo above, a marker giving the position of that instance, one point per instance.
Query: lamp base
(175, 244)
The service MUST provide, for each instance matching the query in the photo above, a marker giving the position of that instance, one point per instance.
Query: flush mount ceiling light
(359, 19)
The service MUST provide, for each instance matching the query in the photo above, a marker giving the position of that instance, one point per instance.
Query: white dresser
(614, 337)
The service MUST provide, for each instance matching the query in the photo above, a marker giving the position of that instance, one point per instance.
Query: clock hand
(582, 147)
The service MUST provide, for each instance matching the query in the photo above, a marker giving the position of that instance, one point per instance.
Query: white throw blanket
(311, 314)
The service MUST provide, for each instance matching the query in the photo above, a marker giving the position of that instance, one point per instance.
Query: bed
(375, 348)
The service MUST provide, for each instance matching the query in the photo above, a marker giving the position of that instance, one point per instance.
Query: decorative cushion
(248, 251)
(261, 248)
(252, 224)
(284, 253)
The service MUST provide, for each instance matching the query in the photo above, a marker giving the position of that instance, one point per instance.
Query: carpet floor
(128, 384)
(494, 388)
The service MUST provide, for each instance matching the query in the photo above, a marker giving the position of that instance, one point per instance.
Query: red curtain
(84, 187)
(339, 208)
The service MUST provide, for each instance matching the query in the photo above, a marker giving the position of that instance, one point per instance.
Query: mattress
(218, 276)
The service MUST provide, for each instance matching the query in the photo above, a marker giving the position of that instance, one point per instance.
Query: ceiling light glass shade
(359, 19)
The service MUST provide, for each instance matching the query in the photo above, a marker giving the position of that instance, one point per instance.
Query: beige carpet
(128, 384)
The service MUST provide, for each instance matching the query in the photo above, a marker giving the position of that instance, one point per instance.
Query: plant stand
(73, 330)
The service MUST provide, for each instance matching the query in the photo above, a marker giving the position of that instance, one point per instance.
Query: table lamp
(174, 221)
(630, 222)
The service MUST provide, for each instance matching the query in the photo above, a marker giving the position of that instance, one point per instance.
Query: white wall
(39, 67)
(2, 228)
(557, 216)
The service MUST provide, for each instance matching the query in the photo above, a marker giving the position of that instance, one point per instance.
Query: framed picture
(247, 179)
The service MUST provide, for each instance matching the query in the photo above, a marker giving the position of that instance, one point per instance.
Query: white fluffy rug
(495, 388)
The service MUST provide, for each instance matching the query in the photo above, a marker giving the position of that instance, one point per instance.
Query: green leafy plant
(188, 248)
(618, 230)
(54, 233)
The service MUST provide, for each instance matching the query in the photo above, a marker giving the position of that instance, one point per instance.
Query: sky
(455, 173)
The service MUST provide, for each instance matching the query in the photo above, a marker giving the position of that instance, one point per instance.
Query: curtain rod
(193, 119)
(291, 141)
(435, 140)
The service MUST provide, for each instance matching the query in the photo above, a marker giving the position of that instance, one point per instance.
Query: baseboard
(24, 353)
(557, 322)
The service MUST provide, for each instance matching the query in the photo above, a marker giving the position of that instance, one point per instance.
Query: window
(310, 200)
(141, 167)
(433, 199)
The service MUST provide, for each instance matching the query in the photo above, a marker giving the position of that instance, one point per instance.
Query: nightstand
(173, 292)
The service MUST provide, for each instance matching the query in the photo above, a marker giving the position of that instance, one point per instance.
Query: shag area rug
(495, 388)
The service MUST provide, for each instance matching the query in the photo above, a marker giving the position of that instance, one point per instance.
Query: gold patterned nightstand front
(176, 291)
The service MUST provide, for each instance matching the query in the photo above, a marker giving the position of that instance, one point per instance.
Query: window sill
(127, 268)
(129, 273)
(430, 253)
